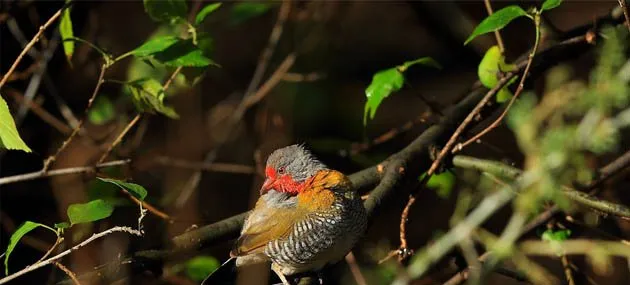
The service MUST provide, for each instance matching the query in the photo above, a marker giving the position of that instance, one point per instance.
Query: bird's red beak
(267, 185)
(270, 180)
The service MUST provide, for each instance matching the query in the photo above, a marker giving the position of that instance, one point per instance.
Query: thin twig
(168, 82)
(68, 272)
(41, 113)
(265, 56)
(58, 241)
(119, 138)
(518, 92)
(215, 166)
(76, 130)
(39, 33)
(567, 270)
(74, 248)
(355, 270)
(61, 171)
(624, 8)
(497, 34)
(356, 148)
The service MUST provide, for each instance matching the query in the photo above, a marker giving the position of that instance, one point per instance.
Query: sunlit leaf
(154, 45)
(9, 136)
(491, 66)
(550, 4)
(66, 32)
(199, 267)
(205, 12)
(497, 21)
(22, 230)
(559, 235)
(134, 189)
(102, 111)
(183, 53)
(166, 10)
(89, 212)
(148, 96)
(443, 183)
(244, 11)
(423, 60)
(383, 84)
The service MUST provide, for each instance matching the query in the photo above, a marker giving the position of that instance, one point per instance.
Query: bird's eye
(281, 170)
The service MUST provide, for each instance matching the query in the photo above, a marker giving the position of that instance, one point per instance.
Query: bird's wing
(267, 222)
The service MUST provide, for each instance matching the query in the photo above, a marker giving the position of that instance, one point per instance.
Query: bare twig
(355, 270)
(624, 8)
(68, 272)
(518, 92)
(39, 33)
(567, 270)
(41, 113)
(74, 248)
(119, 138)
(58, 241)
(76, 130)
(497, 34)
(57, 172)
(575, 247)
(265, 56)
(356, 148)
(215, 166)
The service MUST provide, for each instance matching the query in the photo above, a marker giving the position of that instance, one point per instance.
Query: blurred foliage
(571, 120)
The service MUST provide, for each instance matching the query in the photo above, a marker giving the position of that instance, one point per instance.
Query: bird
(307, 216)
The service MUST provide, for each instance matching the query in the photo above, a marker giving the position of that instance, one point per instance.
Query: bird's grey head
(287, 168)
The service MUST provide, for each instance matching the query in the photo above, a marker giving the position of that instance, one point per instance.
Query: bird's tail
(225, 274)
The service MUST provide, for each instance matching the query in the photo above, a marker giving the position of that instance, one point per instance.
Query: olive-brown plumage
(307, 216)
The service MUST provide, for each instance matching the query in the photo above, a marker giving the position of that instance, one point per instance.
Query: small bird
(307, 216)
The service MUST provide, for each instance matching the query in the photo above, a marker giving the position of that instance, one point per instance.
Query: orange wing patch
(319, 190)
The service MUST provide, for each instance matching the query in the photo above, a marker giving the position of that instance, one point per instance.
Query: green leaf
(205, 12)
(383, 84)
(148, 96)
(62, 225)
(244, 11)
(443, 183)
(497, 21)
(22, 230)
(166, 10)
(89, 212)
(490, 67)
(423, 60)
(550, 4)
(199, 267)
(134, 189)
(9, 136)
(102, 112)
(154, 45)
(183, 53)
(66, 32)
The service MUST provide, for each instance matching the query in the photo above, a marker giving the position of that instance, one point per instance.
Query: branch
(74, 248)
(510, 172)
(62, 171)
(605, 173)
(39, 33)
